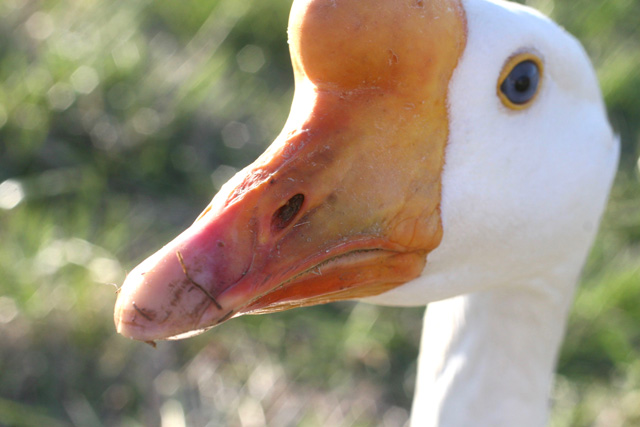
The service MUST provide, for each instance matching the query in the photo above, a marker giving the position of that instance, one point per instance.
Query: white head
(399, 149)
(522, 190)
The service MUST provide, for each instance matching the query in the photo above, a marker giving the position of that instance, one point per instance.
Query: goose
(449, 153)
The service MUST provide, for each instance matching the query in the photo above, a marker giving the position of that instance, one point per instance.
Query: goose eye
(520, 81)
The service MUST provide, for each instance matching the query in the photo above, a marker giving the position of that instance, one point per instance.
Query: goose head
(434, 148)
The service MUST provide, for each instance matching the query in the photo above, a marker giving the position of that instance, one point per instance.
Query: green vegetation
(118, 122)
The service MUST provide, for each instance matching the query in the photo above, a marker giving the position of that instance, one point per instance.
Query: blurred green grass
(118, 122)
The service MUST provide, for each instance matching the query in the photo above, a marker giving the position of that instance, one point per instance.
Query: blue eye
(520, 81)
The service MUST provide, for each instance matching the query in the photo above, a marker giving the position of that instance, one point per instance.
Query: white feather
(522, 196)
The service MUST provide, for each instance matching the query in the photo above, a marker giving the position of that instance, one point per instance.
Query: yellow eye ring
(520, 81)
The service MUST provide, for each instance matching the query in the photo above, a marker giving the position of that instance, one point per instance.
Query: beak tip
(130, 322)
(158, 301)
(133, 320)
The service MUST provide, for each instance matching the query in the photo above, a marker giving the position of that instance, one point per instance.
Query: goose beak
(345, 203)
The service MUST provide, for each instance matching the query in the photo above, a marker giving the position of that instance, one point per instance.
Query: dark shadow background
(120, 119)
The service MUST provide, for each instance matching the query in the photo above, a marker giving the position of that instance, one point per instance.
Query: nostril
(287, 212)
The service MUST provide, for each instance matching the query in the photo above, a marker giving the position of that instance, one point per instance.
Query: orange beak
(345, 203)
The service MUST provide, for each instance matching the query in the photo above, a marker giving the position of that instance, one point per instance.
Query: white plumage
(522, 197)
(522, 192)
